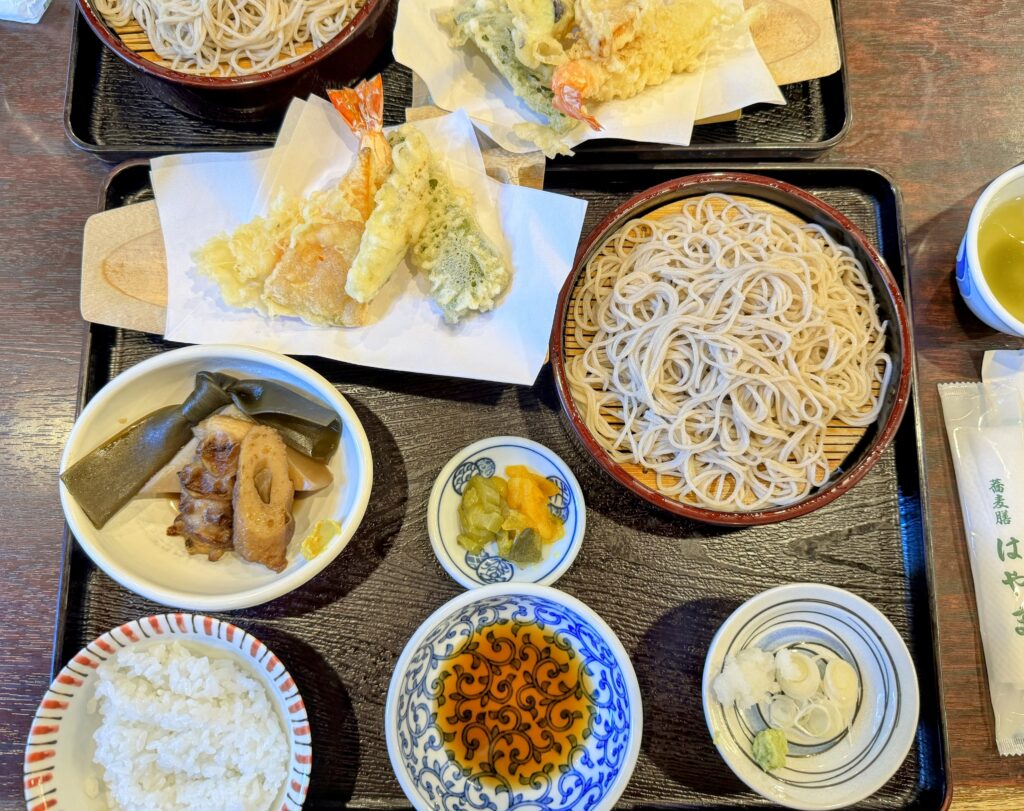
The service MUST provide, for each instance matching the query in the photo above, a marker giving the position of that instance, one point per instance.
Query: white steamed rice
(181, 731)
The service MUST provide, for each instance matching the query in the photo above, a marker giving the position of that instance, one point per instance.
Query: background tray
(106, 112)
(663, 584)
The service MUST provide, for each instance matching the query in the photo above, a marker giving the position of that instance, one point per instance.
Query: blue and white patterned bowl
(599, 766)
(487, 458)
(831, 622)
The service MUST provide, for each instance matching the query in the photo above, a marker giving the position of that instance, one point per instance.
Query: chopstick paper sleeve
(986, 438)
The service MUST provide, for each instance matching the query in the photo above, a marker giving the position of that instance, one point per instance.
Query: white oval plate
(859, 761)
(60, 748)
(133, 547)
(488, 457)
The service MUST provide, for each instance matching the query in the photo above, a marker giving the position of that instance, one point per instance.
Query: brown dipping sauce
(513, 702)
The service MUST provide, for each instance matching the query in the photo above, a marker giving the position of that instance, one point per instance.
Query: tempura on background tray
(559, 55)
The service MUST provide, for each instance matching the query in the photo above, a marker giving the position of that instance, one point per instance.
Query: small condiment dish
(970, 279)
(133, 547)
(490, 457)
(830, 621)
(600, 762)
(59, 770)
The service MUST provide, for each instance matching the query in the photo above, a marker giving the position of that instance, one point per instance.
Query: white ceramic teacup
(969, 278)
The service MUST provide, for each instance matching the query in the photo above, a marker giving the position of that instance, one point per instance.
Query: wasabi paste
(770, 748)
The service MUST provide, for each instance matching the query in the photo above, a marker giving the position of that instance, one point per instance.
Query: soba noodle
(718, 344)
(231, 36)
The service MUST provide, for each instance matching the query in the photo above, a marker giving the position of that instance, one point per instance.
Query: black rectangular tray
(664, 584)
(107, 113)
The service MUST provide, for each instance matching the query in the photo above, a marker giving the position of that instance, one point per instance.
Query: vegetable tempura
(241, 261)
(398, 216)
(490, 25)
(419, 207)
(466, 271)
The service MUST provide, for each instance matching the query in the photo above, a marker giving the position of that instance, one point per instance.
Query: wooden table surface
(938, 102)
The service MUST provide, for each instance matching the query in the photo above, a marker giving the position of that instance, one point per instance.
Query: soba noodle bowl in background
(218, 37)
(718, 344)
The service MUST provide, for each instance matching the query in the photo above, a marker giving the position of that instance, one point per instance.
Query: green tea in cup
(1001, 253)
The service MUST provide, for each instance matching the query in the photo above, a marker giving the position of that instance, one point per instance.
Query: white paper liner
(202, 195)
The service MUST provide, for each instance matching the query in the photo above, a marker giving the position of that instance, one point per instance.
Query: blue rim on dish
(600, 764)
(487, 458)
(833, 622)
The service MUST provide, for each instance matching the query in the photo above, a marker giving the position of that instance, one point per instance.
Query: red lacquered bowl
(864, 453)
(257, 96)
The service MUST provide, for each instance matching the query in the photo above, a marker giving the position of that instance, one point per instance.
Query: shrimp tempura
(665, 39)
(310, 280)
(296, 261)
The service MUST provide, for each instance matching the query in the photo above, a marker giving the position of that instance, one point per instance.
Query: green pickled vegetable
(107, 478)
(489, 497)
(525, 549)
(485, 517)
(491, 521)
(505, 541)
(472, 545)
(480, 514)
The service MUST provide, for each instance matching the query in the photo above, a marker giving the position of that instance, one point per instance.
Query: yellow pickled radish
(514, 513)
(548, 488)
(529, 494)
(322, 534)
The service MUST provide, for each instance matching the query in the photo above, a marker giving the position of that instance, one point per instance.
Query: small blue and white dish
(600, 762)
(490, 457)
